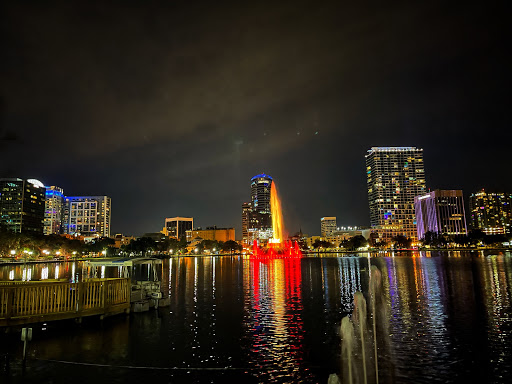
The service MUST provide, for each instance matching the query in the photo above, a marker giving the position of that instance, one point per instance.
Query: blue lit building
(54, 211)
(87, 215)
(260, 216)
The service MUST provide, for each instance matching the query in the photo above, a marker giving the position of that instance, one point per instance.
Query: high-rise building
(87, 215)
(395, 175)
(54, 211)
(440, 212)
(177, 227)
(246, 212)
(260, 218)
(328, 226)
(22, 205)
(491, 212)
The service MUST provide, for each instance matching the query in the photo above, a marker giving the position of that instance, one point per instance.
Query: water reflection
(273, 306)
(449, 316)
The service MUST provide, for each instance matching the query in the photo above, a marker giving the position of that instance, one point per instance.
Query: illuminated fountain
(276, 247)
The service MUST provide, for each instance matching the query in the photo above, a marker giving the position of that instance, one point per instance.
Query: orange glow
(277, 215)
(277, 247)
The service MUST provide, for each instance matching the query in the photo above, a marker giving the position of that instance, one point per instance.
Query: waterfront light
(13, 252)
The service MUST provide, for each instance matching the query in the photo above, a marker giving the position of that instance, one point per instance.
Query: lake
(440, 317)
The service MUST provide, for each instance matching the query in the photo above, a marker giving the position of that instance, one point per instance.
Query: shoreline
(305, 253)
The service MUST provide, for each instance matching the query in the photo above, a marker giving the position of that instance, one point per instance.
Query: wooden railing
(31, 302)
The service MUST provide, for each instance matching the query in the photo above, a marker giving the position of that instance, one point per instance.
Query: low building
(440, 212)
(177, 227)
(327, 225)
(212, 233)
(121, 240)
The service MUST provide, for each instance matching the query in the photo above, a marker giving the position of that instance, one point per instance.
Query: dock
(41, 301)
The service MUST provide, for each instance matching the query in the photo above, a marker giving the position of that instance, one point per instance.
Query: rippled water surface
(440, 317)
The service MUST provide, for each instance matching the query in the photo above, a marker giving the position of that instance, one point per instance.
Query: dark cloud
(171, 107)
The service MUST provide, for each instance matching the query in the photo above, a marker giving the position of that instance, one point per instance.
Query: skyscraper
(22, 205)
(440, 212)
(87, 215)
(491, 212)
(328, 226)
(395, 175)
(177, 227)
(260, 218)
(54, 211)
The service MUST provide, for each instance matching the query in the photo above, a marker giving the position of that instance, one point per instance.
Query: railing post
(79, 297)
(105, 289)
(10, 299)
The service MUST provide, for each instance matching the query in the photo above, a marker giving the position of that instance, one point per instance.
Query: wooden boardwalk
(41, 301)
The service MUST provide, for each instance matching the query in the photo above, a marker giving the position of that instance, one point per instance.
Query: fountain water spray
(277, 246)
(347, 346)
(356, 337)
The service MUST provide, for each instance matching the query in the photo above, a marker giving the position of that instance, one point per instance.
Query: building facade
(22, 204)
(395, 175)
(177, 227)
(212, 233)
(440, 212)
(327, 226)
(246, 214)
(87, 216)
(260, 218)
(54, 211)
(491, 212)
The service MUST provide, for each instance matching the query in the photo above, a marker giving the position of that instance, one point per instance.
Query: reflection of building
(212, 233)
(395, 175)
(54, 211)
(441, 212)
(491, 212)
(22, 205)
(176, 227)
(87, 215)
(327, 225)
(246, 212)
(260, 217)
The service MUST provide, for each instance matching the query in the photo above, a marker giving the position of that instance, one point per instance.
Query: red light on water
(284, 250)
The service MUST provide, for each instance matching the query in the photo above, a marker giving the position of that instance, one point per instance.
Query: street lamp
(13, 252)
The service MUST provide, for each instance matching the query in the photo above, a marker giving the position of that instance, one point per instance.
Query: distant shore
(306, 253)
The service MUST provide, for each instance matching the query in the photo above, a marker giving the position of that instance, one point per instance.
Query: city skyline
(130, 109)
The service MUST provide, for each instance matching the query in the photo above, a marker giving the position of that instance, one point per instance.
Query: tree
(322, 244)
(356, 242)
(401, 241)
(231, 246)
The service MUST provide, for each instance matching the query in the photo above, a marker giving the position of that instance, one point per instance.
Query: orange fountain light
(277, 215)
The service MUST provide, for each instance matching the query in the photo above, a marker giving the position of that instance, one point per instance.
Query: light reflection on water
(449, 318)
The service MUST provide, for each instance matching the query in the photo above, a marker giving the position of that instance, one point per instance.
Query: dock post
(26, 336)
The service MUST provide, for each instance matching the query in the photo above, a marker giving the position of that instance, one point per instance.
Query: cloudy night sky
(171, 107)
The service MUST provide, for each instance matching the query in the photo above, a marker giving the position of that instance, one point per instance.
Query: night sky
(170, 108)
